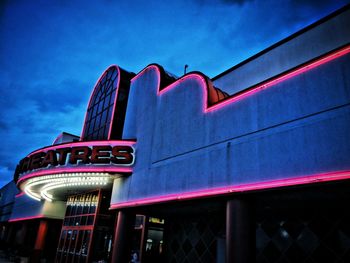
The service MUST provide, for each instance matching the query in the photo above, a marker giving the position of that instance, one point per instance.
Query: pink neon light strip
(72, 169)
(87, 143)
(20, 194)
(281, 78)
(173, 85)
(252, 90)
(317, 178)
(26, 218)
(144, 70)
(197, 76)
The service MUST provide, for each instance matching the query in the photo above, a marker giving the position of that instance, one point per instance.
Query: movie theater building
(252, 165)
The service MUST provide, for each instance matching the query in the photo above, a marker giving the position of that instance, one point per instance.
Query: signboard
(102, 154)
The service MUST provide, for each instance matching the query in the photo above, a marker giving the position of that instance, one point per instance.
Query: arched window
(100, 110)
(104, 119)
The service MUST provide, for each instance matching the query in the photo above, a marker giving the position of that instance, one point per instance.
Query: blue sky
(52, 52)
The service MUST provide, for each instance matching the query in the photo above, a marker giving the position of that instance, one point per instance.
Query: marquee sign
(73, 164)
(102, 154)
(88, 154)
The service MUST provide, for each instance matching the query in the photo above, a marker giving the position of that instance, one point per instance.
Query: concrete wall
(316, 41)
(295, 128)
(26, 208)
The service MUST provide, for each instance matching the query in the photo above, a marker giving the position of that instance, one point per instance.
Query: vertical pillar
(143, 236)
(9, 233)
(240, 231)
(40, 241)
(122, 237)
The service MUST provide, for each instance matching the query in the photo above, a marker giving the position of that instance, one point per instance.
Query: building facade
(252, 165)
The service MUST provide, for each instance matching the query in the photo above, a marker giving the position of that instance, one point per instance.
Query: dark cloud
(3, 125)
(225, 2)
(235, 2)
(317, 4)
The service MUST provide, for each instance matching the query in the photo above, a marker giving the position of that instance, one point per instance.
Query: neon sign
(79, 154)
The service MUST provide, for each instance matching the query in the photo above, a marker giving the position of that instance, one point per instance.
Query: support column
(240, 231)
(122, 237)
(143, 237)
(40, 241)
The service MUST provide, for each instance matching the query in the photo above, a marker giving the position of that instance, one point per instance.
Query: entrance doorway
(87, 229)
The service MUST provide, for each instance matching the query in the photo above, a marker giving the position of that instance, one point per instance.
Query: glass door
(78, 225)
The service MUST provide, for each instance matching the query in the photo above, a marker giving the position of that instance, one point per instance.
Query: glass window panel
(77, 221)
(97, 123)
(106, 102)
(104, 117)
(79, 242)
(106, 130)
(74, 209)
(110, 111)
(70, 221)
(103, 89)
(73, 239)
(91, 126)
(85, 243)
(86, 208)
(101, 134)
(63, 236)
(97, 96)
(83, 220)
(66, 244)
(100, 106)
(112, 96)
(115, 74)
(90, 220)
(87, 126)
(93, 109)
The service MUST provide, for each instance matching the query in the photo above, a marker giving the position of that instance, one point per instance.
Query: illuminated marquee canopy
(50, 172)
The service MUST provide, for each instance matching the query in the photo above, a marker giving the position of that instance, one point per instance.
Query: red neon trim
(87, 143)
(72, 169)
(26, 218)
(20, 194)
(310, 179)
